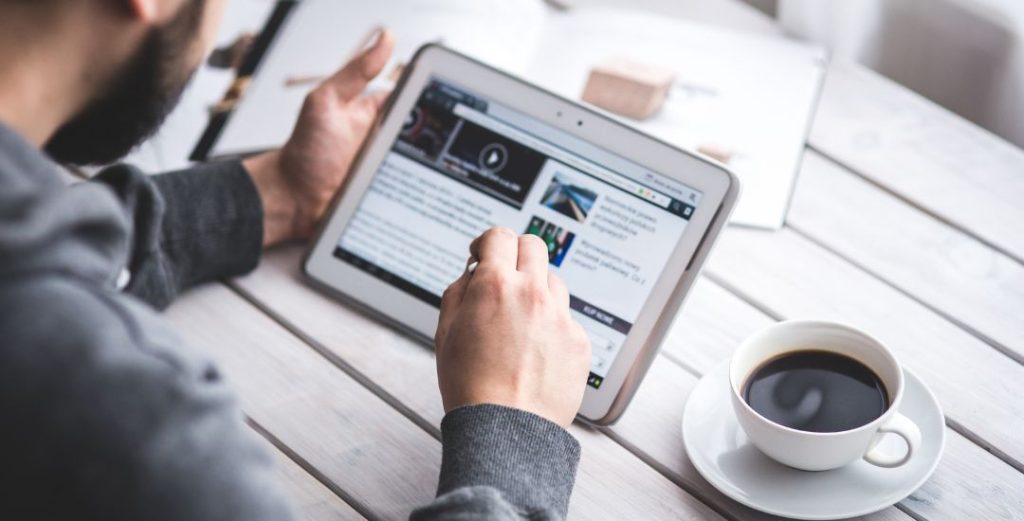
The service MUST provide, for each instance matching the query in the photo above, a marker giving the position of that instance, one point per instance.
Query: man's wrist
(529, 459)
(280, 207)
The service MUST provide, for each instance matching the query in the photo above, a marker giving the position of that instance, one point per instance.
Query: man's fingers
(376, 99)
(533, 256)
(369, 104)
(456, 291)
(450, 302)
(351, 80)
(558, 290)
(496, 248)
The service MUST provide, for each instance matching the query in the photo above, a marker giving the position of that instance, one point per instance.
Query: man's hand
(297, 182)
(505, 335)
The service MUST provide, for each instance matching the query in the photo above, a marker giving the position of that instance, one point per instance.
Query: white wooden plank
(712, 325)
(968, 484)
(360, 443)
(797, 279)
(941, 265)
(962, 489)
(612, 483)
(928, 155)
(652, 426)
(313, 501)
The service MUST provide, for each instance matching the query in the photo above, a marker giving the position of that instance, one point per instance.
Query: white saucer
(720, 451)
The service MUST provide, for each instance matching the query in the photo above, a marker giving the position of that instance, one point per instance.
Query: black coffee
(816, 391)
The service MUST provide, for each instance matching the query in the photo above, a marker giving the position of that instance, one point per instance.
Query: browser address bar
(488, 122)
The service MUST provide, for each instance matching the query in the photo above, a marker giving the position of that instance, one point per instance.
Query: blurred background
(962, 54)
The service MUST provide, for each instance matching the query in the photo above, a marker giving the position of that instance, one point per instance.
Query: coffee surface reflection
(816, 391)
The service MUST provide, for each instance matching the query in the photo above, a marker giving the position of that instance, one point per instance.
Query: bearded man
(104, 413)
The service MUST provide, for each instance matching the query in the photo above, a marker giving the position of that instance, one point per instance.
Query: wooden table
(907, 222)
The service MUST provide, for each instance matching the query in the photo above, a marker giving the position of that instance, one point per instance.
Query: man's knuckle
(448, 292)
(317, 100)
(500, 232)
(315, 96)
(495, 282)
(536, 295)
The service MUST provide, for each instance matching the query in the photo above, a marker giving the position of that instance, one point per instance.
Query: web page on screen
(463, 164)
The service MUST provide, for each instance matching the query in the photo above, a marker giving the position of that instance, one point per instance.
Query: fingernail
(373, 39)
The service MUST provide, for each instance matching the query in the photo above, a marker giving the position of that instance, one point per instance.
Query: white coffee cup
(822, 450)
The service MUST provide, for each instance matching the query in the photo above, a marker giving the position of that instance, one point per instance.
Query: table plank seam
(278, 285)
(333, 359)
(330, 395)
(952, 424)
(742, 295)
(922, 149)
(985, 445)
(910, 513)
(711, 499)
(921, 207)
(662, 469)
(339, 363)
(672, 357)
(675, 359)
(940, 264)
(310, 469)
(994, 344)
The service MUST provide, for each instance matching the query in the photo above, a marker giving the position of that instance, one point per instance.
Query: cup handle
(904, 428)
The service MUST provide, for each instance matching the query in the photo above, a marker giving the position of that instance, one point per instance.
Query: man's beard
(137, 101)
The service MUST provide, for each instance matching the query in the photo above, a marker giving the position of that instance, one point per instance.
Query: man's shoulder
(76, 354)
(54, 309)
(51, 307)
(62, 326)
(98, 403)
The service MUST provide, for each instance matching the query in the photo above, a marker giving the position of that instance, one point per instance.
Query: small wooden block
(717, 152)
(627, 87)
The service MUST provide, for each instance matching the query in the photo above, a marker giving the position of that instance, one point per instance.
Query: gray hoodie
(106, 414)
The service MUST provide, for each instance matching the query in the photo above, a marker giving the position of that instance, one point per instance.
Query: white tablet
(462, 147)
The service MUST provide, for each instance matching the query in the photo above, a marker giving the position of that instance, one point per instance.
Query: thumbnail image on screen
(557, 239)
(569, 197)
(468, 152)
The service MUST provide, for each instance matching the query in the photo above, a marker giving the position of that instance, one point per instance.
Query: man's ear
(145, 11)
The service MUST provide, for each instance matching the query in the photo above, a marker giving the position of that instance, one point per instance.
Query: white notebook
(753, 95)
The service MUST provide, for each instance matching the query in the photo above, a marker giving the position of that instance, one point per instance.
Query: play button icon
(493, 157)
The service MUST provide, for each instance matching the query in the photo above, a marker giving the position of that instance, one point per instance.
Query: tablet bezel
(718, 186)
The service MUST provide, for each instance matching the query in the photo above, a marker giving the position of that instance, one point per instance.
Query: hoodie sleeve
(187, 227)
(503, 464)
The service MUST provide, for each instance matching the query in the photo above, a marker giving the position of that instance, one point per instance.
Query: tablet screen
(463, 163)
